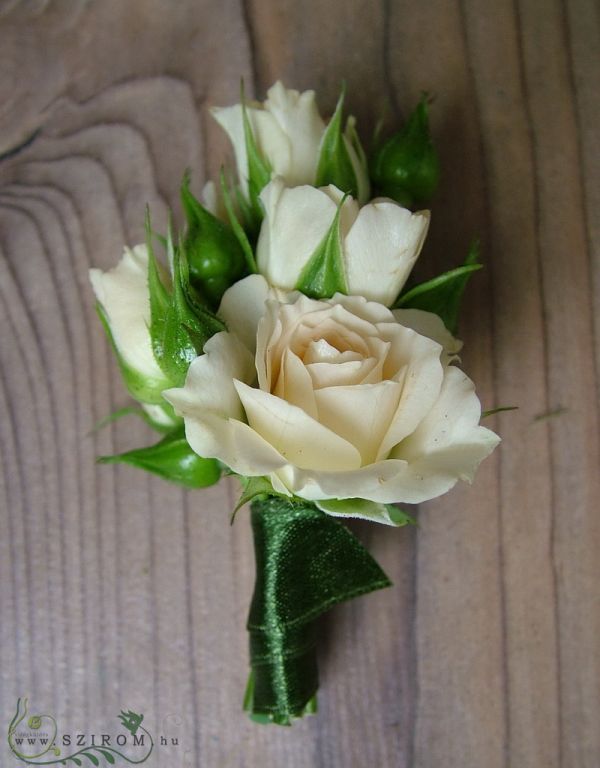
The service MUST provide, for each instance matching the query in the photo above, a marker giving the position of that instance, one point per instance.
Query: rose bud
(320, 242)
(285, 136)
(406, 166)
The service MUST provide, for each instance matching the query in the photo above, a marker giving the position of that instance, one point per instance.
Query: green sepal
(406, 167)
(141, 387)
(160, 298)
(399, 517)
(323, 275)
(335, 165)
(443, 294)
(129, 410)
(252, 488)
(181, 323)
(190, 324)
(259, 168)
(249, 222)
(237, 227)
(364, 509)
(499, 409)
(306, 562)
(362, 173)
(172, 459)
(215, 257)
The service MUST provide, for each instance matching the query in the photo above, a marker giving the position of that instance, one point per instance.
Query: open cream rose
(341, 402)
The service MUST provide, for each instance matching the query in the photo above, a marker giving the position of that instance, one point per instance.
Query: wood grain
(121, 591)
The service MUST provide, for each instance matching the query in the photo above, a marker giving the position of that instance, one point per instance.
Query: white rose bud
(124, 300)
(340, 402)
(288, 131)
(380, 242)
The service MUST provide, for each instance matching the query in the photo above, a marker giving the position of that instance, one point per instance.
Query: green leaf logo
(92, 753)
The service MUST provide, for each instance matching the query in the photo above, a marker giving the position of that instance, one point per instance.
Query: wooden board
(119, 591)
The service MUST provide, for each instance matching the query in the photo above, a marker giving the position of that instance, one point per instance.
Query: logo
(35, 740)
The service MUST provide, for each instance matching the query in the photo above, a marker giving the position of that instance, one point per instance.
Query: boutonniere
(278, 338)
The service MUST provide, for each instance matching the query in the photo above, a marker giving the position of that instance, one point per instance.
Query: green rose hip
(215, 258)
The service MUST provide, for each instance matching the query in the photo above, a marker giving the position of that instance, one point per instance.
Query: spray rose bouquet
(276, 340)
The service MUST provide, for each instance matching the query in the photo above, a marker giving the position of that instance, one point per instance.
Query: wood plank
(575, 450)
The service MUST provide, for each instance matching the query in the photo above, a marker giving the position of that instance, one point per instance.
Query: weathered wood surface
(120, 591)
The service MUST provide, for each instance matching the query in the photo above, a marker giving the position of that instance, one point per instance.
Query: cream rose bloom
(341, 402)
(380, 242)
(288, 131)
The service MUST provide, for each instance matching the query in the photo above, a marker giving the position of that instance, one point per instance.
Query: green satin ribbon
(306, 562)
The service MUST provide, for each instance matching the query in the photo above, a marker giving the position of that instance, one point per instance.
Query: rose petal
(372, 482)
(349, 210)
(242, 306)
(341, 374)
(299, 119)
(386, 482)
(361, 414)
(432, 326)
(234, 443)
(395, 479)
(287, 130)
(123, 293)
(453, 419)
(268, 334)
(272, 141)
(296, 221)
(230, 119)
(320, 351)
(328, 329)
(448, 445)
(209, 381)
(381, 249)
(295, 385)
(357, 306)
(347, 320)
(329, 367)
(373, 375)
(297, 325)
(296, 435)
(414, 361)
(212, 410)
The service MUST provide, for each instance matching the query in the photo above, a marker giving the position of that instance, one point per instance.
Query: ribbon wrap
(306, 562)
